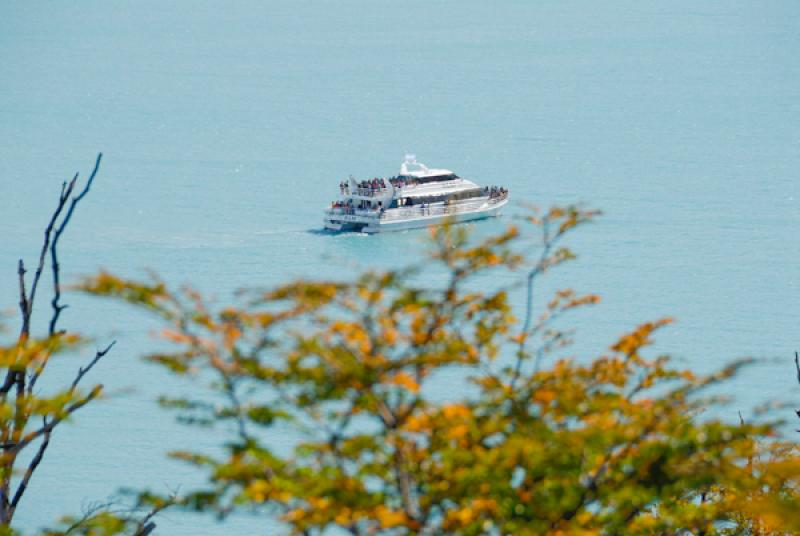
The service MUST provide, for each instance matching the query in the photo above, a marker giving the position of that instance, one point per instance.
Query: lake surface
(226, 128)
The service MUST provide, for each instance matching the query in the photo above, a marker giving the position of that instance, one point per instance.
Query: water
(226, 128)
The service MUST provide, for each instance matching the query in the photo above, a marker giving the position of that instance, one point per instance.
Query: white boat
(417, 197)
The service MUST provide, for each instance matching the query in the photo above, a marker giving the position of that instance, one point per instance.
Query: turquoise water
(226, 127)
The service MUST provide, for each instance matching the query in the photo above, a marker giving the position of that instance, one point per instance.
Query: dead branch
(83, 370)
(797, 365)
(57, 307)
(23, 301)
(66, 191)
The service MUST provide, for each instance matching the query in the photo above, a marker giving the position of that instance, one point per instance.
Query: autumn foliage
(525, 442)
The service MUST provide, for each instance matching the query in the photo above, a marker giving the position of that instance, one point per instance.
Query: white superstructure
(417, 197)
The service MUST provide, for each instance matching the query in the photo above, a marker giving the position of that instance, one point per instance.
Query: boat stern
(340, 220)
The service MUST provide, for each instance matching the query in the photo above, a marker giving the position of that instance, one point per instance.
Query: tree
(537, 445)
(29, 418)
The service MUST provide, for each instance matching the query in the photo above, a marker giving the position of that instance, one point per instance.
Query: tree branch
(12, 434)
(146, 525)
(404, 481)
(16, 446)
(57, 307)
(24, 304)
(66, 191)
(23, 485)
(797, 365)
(83, 370)
(229, 386)
(531, 278)
(90, 512)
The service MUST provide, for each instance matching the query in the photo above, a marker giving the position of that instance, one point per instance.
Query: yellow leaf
(390, 518)
(404, 379)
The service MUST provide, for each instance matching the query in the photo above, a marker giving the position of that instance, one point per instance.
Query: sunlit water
(226, 128)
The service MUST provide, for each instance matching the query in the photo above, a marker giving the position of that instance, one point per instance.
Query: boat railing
(352, 211)
(372, 192)
(365, 192)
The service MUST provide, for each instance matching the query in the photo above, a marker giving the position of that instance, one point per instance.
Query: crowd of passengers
(371, 185)
(348, 207)
(376, 184)
(495, 191)
(398, 182)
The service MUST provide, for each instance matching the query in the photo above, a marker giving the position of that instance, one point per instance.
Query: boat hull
(421, 219)
(383, 226)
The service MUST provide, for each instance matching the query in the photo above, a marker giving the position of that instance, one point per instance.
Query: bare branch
(24, 305)
(83, 370)
(66, 191)
(37, 373)
(797, 365)
(57, 307)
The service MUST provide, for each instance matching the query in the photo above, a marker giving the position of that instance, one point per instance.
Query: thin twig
(83, 370)
(539, 268)
(90, 512)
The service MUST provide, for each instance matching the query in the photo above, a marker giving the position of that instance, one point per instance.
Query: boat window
(423, 180)
(454, 196)
(438, 178)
